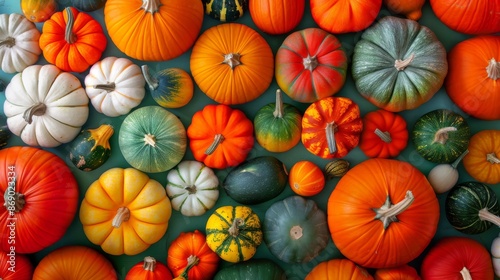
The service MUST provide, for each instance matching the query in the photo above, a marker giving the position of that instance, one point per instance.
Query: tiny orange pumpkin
(306, 178)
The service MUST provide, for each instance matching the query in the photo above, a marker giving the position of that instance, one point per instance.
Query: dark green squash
(441, 136)
(294, 229)
(4, 131)
(472, 207)
(2, 86)
(278, 125)
(225, 10)
(88, 5)
(256, 180)
(254, 269)
(91, 148)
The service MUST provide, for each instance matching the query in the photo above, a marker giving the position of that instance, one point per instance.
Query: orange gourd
(306, 178)
(468, 16)
(404, 272)
(338, 269)
(153, 30)
(149, 269)
(38, 10)
(344, 16)
(232, 63)
(331, 127)
(482, 161)
(190, 257)
(384, 135)
(72, 40)
(382, 213)
(276, 16)
(472, 82)
(220, 136)
(411, 9)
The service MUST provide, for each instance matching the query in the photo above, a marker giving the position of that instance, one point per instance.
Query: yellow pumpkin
(124, 211)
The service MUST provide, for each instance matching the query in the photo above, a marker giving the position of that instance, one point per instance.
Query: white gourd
(444, 176)
(495, 255)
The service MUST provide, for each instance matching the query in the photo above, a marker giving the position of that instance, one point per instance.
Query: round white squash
(18, 43)
(115, 86)
(45, 106)
(193, 188)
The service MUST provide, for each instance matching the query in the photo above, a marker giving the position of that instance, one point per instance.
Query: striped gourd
(472, 207)
(225, 10)
(234, 233)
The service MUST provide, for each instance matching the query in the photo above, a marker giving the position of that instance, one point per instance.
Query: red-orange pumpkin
(382, 213)
(276, 16)
(15, 266)
(149, 269)
(306, 178)
(72, 40)
(338, 269)
(310, 64)
(404, 272)
(331, 127)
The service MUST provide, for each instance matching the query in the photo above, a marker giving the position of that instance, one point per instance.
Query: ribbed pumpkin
(232, 63)
(482, 162)
(382, 213)
(305, 178)
(153, 30)
(338, 269)
(398, 64)
(276, 16)
(473, 78)
(149, 269)
(331, 127)
(15, 267)
(72, 40)
(234, 233)
(403, 272)
(310, 64)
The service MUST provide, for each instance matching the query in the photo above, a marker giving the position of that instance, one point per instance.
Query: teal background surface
(179, 223)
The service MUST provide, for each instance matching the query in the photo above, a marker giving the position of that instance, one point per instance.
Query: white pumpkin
(495, 255)
(18, 43)
(115, 86)
(192, 187)
(45, 106)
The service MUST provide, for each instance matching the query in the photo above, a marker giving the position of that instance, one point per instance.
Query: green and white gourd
(225, 10)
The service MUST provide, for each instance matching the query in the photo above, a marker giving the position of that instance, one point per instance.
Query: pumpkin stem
(234, 229)
(190, 189)
(122, 215)
(384, 135)
(402, 64)
(457, 161)
(150, 80)
(192, 260)
(9, 42)
(387, 213)
(232, 59)
(35, 110)
(278, 110)
(296, 232)
(69, 36)
(465, 274)
(101, 136)
(330, 130)
(441, 135)
(151, 6)
(150, 139)
(109, 87)
(14, 201)
(217, 140)
(493, 69)
(149, 263)
(492, 158)
(310, 62)
(485, 215)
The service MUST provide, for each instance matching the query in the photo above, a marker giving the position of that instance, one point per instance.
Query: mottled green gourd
(91, 148)
(252, 269)
(225, 10)
(170, 87)
(278, 125)
(441, 136)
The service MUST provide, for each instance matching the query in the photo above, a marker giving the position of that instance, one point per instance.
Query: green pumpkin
(261, 269)
(441, 136)
(91, 149)
(398, 64)
(294, 229)
(152, 139)
(87, 5)
(278, 125)
(170, 87)
(225, 10)
(4, 131)
(472, 207)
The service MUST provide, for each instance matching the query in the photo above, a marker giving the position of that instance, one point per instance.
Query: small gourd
(445, 175)
(91, 148)
(225, 10)
(38, 10)
(336, 168)
(170, 87)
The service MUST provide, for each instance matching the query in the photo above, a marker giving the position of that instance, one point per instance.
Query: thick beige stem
(234, 230)
(278, 110)
(232, 59)
(388, 212)
(384, 135)
(310, 62)
(492, 158)
(441, 135)
(35, 110)
(149, 263)
(150, 139)
(219, 138)
(151, 6)
(330, 130)
(122, 215)
(486, 215)
(493, 69)
(465, 274)
(402, 64)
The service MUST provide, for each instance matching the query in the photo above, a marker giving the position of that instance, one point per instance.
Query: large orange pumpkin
(153, 30)
(338, 269)
(382, 213)
(403, 272)
(72, 40)
(232, 63)
(472, 82)
(276, 16)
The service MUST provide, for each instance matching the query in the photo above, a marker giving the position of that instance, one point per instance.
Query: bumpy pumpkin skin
(398, 64)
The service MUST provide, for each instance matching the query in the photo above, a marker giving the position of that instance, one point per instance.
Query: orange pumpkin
(306, 178)
(149, 269)
(190, 257)
(310, 65)
(338, 269)
(384, 135)
(348, 15)
(331, 127)
(482, 162)
(232, 63)
(153, 30)
(404, 272)
(38, 10)
(220, 136)
(472, 82)
(382, 213)
(72, 40)
(276, 16)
